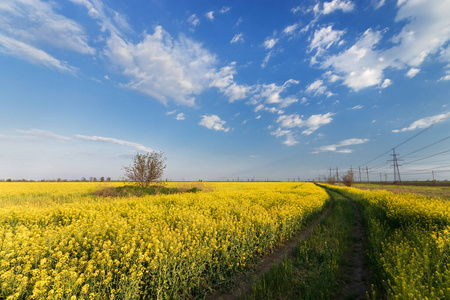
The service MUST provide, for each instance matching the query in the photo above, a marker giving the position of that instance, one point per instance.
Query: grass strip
(409, 248)
(314, 271)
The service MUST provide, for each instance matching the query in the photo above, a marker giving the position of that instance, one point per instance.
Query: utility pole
(359, 174)
(367, 170)
(395, 165)
(432, 173)
(385, 177)
(337, 175)
(381, 178)
(330, 173)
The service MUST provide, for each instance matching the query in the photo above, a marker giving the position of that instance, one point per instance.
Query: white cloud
(181, 117)
(290, 138)
(224, 9)
(316, 88)
(269, 43)
(357, 107)
(311, 124)
(378, 3)
(213, 122)
(267, 93)
(424, 123)
(291, 28)
(109, 19)
(210, 15)
(114, 141)
(28, 25)
(39, 134)
(161, 67)
(259, 107)
(35, 22)
(271, 93)
(237, 38)
(359, 66)
(224, 81)
(331, 77)
(266, 59)
(338, 147)
(387, 82)
(426, 32)
(169, 113)
(323, 39)
(31, 54)
(445, 77)
(344, 5)
(193, 20)
(412, 72)
(296, 9)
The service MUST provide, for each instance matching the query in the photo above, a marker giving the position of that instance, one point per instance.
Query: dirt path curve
(244, 284)
(358, 274)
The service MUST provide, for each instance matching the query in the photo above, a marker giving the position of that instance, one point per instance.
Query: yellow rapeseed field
(409, 243)
(57, 241)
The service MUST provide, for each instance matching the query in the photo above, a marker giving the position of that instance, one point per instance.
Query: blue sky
(275, 90)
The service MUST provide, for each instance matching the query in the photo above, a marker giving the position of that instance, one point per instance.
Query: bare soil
(243, 282)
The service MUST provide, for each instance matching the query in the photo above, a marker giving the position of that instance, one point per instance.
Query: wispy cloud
(39, 135)
(291, 29)
(425, 33)
(28, 25)
(194, 20)
(323, 39)
(412, 72)
(114, 141)
(181, 117)
(424, 123)
(213, 122)
(311, 124)
(224, 9)
(237, 38)
(270, 42)
(210, 15)
(339, 146)
(316, 88)
(36, 22)
(224, 81)
(343, 5)
(288, 134)
(33, 55)
(161, 67)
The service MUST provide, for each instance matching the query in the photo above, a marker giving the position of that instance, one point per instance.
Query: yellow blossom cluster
(409, 243)
(57, 241)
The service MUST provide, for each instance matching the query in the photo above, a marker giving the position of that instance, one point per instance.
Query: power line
(425, 129)
(432, 144)
(447, 115)
(436, 154)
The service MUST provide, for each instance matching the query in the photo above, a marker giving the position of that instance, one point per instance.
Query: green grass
(139, 191)
(440, 190)
(408, 259)
(314, 271)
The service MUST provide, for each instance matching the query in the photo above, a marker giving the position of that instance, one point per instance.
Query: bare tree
(347, 179)
(146, 168)
(331, 180)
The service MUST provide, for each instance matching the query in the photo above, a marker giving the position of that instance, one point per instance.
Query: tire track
(243, 281)
(357, 273)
